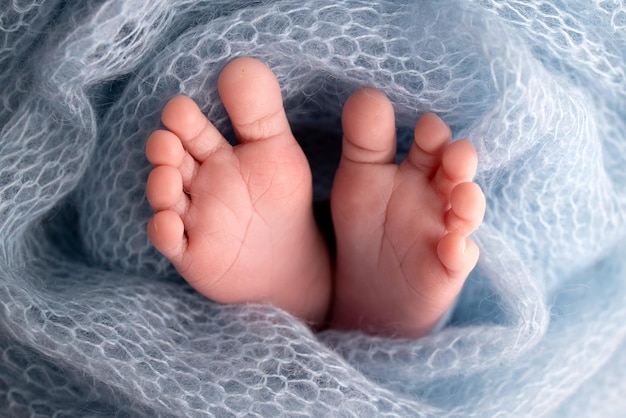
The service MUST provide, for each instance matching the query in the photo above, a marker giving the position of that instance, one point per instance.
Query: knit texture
(94, 322)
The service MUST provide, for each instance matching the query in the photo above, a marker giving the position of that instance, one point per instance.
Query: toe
(164, 190)
(251, 95)
(467, 208)
(369, 132)
(431, 137)
(165, 148)
(458, 254)
(167, 233)
(198, 136)
(458, 165)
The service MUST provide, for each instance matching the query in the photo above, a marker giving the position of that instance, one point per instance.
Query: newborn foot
(402, 247)
(237, 222)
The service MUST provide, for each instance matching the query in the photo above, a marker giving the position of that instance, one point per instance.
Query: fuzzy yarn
(93, 322)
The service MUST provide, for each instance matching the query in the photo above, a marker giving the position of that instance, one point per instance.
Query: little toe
(431, 137)
(197, 134)
(251, 95)
(167, 233)
(164, 190)
(458, 254)
(369, 132)
(467, 208)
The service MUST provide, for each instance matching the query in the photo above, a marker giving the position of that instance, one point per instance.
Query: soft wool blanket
(93, 322)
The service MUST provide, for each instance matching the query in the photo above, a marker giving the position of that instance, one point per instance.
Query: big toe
(251, 95)
(369, 132)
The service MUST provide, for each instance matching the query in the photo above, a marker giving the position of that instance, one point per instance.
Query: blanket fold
(94, 322)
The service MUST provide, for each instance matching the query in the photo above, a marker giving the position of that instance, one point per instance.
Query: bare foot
(237, 222)
(402, 247)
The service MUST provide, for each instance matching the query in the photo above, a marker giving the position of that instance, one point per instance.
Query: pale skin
(237, 222)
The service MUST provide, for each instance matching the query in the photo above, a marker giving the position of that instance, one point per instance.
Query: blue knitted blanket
(93, 322)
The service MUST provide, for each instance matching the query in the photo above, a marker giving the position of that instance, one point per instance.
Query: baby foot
(237, 222)
(402, 247)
